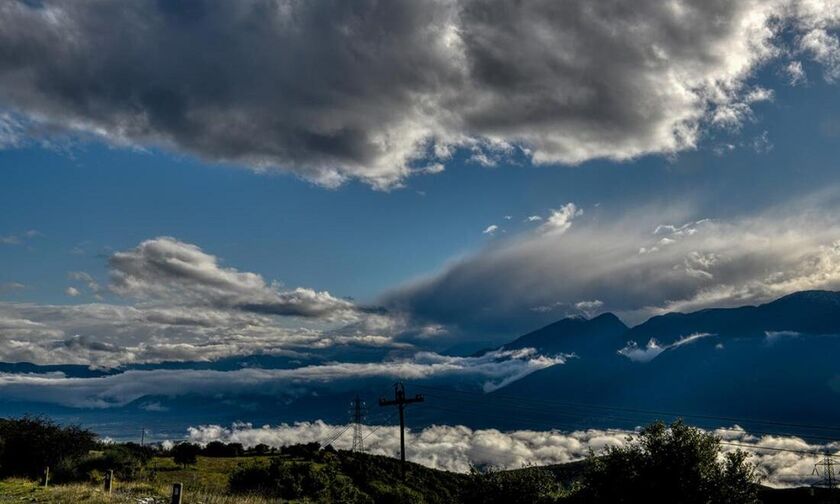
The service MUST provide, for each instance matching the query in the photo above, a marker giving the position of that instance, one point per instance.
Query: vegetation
(185, 453)
(675, 463)
(680, 464)
(30, 444)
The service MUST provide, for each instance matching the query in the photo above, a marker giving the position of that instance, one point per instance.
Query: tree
(677, 463)
(185, 454)
(261, 449)
(32, 443)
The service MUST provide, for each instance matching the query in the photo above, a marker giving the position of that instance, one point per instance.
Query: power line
(335, 438)
(377, 427)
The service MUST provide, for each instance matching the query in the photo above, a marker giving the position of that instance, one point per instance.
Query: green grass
(205, 483)
(208, 475)
(18, 490)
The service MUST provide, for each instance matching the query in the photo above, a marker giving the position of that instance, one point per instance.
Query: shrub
(523, 486)
(294, 481)
(679, 464)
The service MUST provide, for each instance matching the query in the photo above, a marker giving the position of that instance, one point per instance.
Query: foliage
(185, 454)
(261, 449)
(525, 486)
(219, 449)
(306, 451)
(126, 461)
(679, 464)
(29, 444)
(295, 480)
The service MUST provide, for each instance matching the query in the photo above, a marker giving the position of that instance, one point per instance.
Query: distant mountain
(806, 312)
(584, 337)
(775, 361)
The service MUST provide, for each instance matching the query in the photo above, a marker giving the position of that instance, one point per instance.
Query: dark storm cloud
(374, 90)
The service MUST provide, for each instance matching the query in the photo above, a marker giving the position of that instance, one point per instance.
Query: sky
(194, 180)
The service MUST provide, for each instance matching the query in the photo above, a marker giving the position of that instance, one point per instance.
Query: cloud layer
(184, 306)
(492, 370)
(641, 264)
(379, 90)
(457, 448)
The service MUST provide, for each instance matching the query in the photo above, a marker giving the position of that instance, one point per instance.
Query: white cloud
(533, 218)
(165, 270)
(589, 308)
(401, 84)
(559, 221)
(7, 287)
(706, 263)
(652, 350)
(457, 448)
(187, 307)
(90, 283)
(18, 238)
(490, 230)
(491, 370)
(796, 73)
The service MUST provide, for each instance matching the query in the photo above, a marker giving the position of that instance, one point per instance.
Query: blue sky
(89, 199)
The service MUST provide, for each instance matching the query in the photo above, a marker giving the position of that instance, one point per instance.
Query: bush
(294, 481)
(126, 462)
(678, 464)
(523, 486)
(302, 451)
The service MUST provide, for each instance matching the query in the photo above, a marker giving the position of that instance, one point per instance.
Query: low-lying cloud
(377, 91)
(457, 448)
(491, 371)
(653, 348)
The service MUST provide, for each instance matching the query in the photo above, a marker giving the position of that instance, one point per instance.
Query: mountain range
(772, 367)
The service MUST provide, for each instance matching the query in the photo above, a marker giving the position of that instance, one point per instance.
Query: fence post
(109, 481)
(177, 492)
(46, 476)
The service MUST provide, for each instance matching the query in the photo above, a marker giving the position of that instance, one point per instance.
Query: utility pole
(400, 402)
(143, 436)
(358, 417)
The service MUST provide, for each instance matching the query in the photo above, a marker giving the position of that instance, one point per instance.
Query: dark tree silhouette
(185, 454)
(29, 444)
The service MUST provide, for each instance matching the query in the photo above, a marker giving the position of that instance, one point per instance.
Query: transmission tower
(358, 415)
(825, 468)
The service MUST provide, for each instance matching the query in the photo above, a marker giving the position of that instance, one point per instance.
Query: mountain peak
(574, 335)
